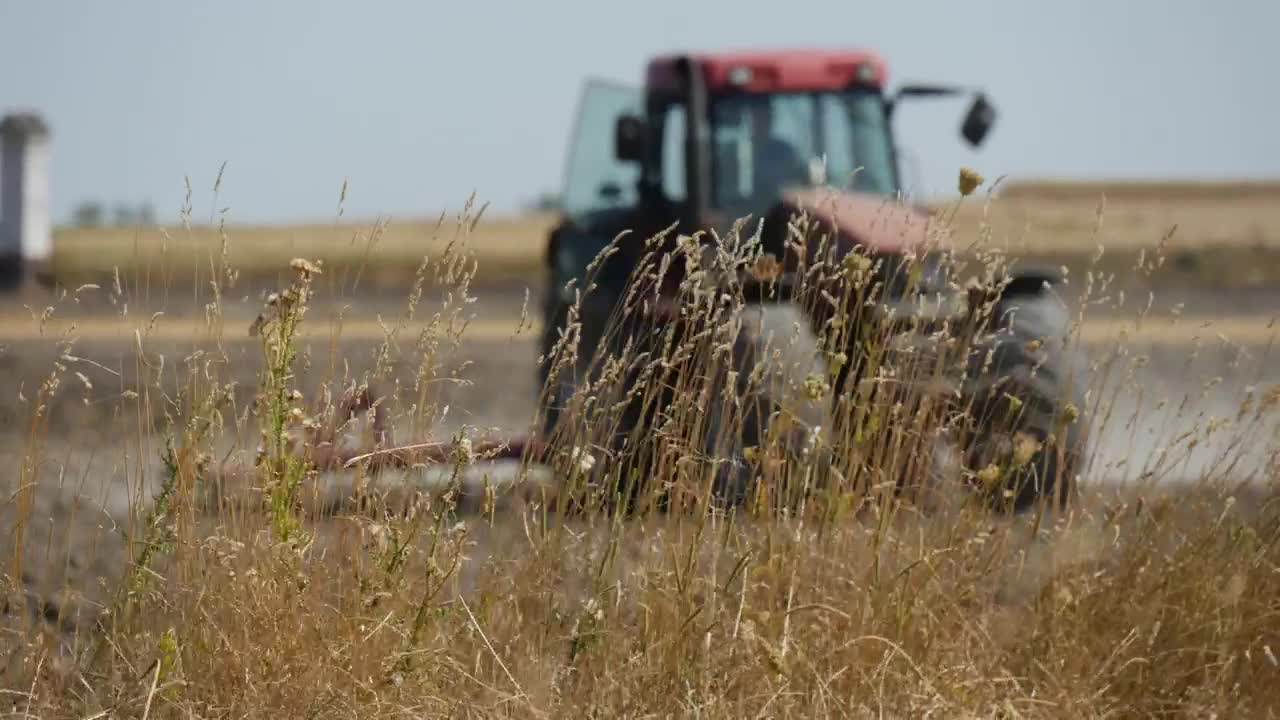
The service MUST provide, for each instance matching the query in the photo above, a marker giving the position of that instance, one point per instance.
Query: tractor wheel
(555, 316)
(593, 322)
(732, 413)
(737, 419)
(1024, 392)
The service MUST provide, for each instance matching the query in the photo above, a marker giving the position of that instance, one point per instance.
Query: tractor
(714, 138)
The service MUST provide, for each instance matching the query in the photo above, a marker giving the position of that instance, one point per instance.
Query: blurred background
(303, 126)
(417, 105)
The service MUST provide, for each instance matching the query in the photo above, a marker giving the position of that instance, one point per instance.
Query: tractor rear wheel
(1024, 394)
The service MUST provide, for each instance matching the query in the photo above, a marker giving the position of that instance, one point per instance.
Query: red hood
(880, 224)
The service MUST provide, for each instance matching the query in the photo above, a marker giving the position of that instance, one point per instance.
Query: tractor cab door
(595, 179)
(600, 192)
(599, 196)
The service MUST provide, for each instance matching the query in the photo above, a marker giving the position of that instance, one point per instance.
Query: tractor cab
(714, 138)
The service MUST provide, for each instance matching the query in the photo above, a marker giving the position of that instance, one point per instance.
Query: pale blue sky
(418, 104)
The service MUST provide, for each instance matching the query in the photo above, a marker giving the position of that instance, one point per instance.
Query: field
(157, 569)
(1216, 235)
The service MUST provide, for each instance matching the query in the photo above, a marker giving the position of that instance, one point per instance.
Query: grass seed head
(970, 179)
(766, 268)
(815, 387)
(304, 267)
(1025, 447)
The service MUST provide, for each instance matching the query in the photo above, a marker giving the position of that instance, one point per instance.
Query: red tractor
(712, 138)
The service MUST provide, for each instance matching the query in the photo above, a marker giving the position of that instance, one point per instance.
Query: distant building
(26, 232)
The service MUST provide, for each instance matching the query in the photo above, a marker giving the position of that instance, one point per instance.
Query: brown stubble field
(953, 616)
(1216, 236)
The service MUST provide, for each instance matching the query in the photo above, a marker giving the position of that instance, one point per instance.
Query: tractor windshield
(764, 144)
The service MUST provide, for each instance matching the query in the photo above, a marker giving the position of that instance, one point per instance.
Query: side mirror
(978, 121)
(629, 138)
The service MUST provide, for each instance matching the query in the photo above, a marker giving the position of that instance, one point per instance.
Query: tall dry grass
(622, 585)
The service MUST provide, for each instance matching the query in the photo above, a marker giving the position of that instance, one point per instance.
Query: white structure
(26, 232)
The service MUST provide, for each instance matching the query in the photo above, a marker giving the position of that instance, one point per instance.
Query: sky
(417, 105)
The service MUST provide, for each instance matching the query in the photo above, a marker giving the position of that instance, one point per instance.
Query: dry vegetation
(241, 594)
(381, 252)
(1216, 235)
(1210, 231)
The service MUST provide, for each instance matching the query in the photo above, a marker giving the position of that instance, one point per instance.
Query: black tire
(749, 408)
(555, 316)
(734, 419)
(1025, 387)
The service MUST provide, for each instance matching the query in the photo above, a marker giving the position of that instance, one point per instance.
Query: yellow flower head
(970, 179)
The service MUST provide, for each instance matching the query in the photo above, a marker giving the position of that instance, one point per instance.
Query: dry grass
(825, 594)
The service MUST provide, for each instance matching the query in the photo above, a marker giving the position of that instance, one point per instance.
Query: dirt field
(1163, 379)
(1210, 257)
(102, 464)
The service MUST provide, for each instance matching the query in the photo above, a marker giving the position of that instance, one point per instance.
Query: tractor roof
(775, 70)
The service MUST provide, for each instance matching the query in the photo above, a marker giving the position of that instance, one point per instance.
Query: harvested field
(1216, 235)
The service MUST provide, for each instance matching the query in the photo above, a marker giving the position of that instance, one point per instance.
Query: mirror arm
(926, 91)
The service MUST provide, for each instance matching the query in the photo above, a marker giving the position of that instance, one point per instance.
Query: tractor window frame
(667, 160)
